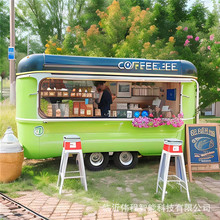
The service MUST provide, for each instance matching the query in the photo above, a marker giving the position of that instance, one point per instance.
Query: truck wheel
(125, 160)
(96, 161)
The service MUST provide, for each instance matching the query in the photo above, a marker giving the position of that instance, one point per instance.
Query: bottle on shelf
(84, 92)
(80, 92)
(73, 93)
(90, 92)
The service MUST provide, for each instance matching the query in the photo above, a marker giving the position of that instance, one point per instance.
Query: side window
(66, 98)
(61, 98)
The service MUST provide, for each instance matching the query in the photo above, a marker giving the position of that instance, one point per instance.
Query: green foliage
(7, 118)
(89, 16)
(37, 16)
(75, 11)
(176, 10)
(71, 107)
(160, 20)
(44, 105)
(4, 35)
(198, 14)
(113, 23)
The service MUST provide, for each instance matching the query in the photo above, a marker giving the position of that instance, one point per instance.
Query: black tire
(96, 161)
(130, 160)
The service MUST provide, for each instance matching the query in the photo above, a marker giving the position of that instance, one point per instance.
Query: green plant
(44, 105)
(7, 117)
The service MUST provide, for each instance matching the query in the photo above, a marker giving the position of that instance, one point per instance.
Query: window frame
(100, 77)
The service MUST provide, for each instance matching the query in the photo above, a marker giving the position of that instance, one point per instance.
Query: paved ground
(213, 186)
(54, 208)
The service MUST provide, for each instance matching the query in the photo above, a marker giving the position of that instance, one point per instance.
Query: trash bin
(11, 157)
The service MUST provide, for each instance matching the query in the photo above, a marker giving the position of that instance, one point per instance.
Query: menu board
(202, 142)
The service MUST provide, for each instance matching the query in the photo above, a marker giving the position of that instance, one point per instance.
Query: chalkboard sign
(202, 142)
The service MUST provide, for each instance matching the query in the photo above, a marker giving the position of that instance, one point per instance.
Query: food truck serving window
(61, 98)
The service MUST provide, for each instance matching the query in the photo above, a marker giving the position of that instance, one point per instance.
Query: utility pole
(12, 62)
(27, 45)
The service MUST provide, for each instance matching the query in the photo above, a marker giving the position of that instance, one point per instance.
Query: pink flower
(189, 37)
(209, 48)
(161, 116)
(186, 42)
(151, 115)
(180, 115)
(217, 42)
(197, 38)
(185, 28)
(144, 122)
(211, 37)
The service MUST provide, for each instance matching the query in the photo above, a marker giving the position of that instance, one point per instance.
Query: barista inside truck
(105, 97)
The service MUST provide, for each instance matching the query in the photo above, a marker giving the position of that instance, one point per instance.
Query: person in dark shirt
(105, 99)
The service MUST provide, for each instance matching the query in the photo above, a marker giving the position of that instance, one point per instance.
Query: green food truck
(60, 95)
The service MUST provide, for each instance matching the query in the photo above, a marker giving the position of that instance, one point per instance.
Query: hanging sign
(202, 145)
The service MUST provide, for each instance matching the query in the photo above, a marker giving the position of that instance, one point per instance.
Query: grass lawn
(209, 119)
(212, 175)
(5, 85)
(7, 117)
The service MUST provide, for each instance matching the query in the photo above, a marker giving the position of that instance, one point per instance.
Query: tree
(141, 32)
(56, 10)
(4, 36)
(176, 10)
(209, 77)
(35, 16)
(89, 16)
(126, 5)
(198, 14)
(46, 18)
(159, 18)
(74, 12)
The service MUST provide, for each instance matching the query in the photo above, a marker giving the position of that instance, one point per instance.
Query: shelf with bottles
(66, 109)
(84, 92)
(149, 90)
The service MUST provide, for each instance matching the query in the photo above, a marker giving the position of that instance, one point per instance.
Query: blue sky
(207, 3)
